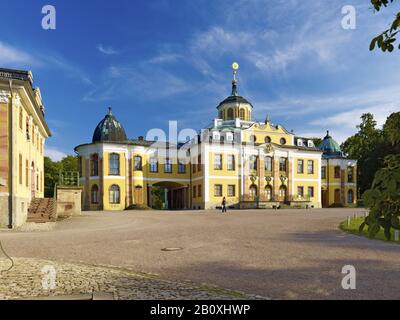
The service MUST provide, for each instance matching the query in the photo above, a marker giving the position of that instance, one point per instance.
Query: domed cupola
(235, 106)
(330, 147)
(109, 130)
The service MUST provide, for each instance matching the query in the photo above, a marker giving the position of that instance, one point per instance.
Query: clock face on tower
(235, 66)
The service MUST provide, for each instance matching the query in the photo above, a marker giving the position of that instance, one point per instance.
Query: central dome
(109, 130)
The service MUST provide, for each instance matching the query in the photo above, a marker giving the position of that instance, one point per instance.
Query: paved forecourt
(288, 254)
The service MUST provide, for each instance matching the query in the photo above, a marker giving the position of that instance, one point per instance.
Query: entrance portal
(168, 195)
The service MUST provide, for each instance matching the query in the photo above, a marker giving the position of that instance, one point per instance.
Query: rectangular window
(137, 166)
(323, 173)
(27, 173)
(199, 191)
(310, 167)
(168, 166)
(253, 163)
(337, 172)
(268, 164)
(199, 163)
(282, 164)
(153, 165)
(231, 190)
(20, 169)
(300, 166)
(231, 162)
(194, 165)
(181, 167)
(94, 165)
(194, 192)
(300, 191)
(311, 192)
(350, 175)
(114, 164)
(218, 162)
(218, 190)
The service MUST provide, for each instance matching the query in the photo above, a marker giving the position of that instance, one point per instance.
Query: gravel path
(287, 254)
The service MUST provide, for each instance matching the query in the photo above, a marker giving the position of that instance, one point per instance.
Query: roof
(234, 99)
(330, 147)
(25, 78)
(109, 130)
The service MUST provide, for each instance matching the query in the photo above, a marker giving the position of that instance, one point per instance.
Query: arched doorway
(283, 194)
(268, 193)
(168, 195)
(253, 192)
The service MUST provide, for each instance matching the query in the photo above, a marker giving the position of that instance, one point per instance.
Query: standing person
(223, 205)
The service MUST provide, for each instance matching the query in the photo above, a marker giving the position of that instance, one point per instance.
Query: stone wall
(69, 201)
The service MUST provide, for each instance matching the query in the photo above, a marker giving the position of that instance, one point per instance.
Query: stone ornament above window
(4, 96)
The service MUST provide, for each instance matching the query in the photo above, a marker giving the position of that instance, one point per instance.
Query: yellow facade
(24, 132)
(250, 164)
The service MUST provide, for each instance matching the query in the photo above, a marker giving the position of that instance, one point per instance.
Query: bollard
(348, 221)
(396, 235)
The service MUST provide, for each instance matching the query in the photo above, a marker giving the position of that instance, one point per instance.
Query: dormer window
(299, 143)
(310, 144)
(229, 136)
(216, 136)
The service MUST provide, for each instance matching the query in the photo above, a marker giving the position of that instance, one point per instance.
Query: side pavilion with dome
(252, 164)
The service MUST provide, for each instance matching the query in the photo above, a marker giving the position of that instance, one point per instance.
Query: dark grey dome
(109, 130)
(234, 97)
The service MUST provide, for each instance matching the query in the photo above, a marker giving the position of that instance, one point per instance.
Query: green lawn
(354, 226)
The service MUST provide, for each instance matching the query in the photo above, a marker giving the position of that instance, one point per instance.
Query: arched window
(267, 139)
(242, 115)
(253, 192)
(268, 193)
(21, 117)
(114, 164)
(95, 194)
(114, 194)
(138, 163)
(94, 165)
(350, 196)
(230, 114)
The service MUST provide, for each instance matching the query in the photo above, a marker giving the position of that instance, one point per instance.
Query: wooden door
(138, 195)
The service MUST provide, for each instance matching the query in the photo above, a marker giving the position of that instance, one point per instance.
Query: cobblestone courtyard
(285, 254)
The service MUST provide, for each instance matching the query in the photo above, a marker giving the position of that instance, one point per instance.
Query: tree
(387, 38)
(391, 131)
(52, 171)
(383, 199)
(366, 147)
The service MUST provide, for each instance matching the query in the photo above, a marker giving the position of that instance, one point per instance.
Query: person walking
(223, 205)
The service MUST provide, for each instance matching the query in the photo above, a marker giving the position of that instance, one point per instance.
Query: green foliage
(158, 198)
(370, 145)
(383, 199)
(52, 171)
(385, 41)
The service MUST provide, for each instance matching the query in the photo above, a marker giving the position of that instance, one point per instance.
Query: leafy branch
(387, 38)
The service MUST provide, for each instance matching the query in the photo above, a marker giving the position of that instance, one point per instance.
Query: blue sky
(161, 60)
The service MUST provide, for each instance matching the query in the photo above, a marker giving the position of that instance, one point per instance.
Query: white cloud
(54, 153)
(12, 55)
(107, 50)
(165, 58)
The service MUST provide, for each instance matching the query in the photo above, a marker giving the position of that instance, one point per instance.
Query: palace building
(252, 164)
(23, 132)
